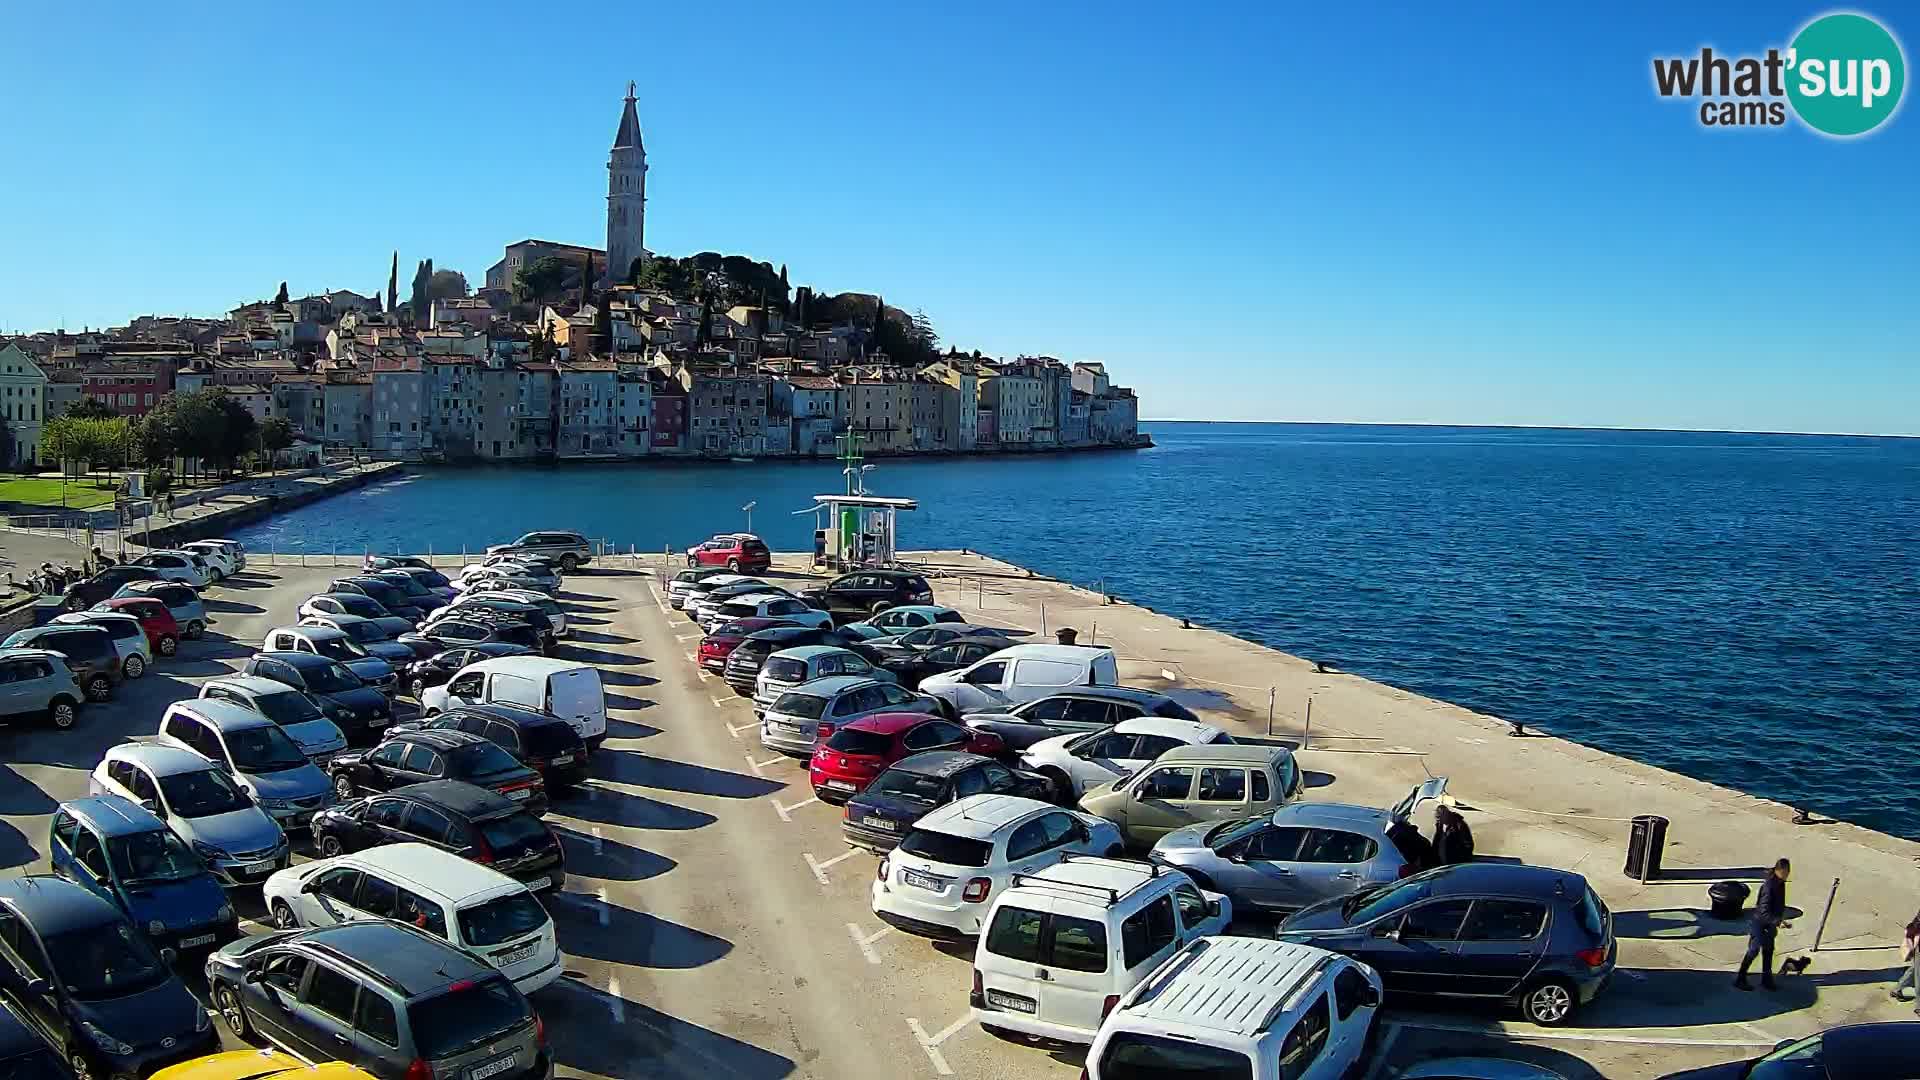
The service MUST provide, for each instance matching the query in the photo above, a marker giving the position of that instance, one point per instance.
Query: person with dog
(1769, 917)
(1909, 956)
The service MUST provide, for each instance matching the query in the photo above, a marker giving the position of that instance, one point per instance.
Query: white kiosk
(858, 530)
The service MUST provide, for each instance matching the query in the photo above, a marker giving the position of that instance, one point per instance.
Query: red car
(715, 647)
(163, 633)
(853, 755)
(742, 553)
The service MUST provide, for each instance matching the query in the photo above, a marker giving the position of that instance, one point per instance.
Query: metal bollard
(1821, 931)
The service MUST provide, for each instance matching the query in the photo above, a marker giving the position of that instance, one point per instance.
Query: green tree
(150, 442)
(419, 299)
(542, 280)
(56, 441)
(446, 284)
(393, 284)
(90, 409)
(276, 434)
(280, 298)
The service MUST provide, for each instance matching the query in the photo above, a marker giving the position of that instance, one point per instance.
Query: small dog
(1796, 965)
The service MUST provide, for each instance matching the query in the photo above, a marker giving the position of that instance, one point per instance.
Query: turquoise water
(1741, 608)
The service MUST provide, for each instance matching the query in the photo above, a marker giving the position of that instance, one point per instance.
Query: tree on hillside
(280, 298)
(419, 299)
(393, 283)
(90, 409)
(543, 280)
(446, 284)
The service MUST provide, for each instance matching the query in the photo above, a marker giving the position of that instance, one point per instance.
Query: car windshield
(104, 961)
(364, 606)
(946, 848)
(855, 741)
(291, 707)
(336, 648)
(906, 785)
(513, 835)
(1802, 1060)
(365, 632)
(480, 759)
(787, 669)
(501, 919)
(1137, 1056)
(1366, 906)
(151, 858)
(805, 706)
(263, 750)
(1232, 831)
(462, 1019)
(406, 584)
(432, 579)
(332, 679)
(202, 793)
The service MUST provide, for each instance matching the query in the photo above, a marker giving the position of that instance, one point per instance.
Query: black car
(1886, 1051)
(951, 655)
(415, 756)
(912, 787)
(748, 657)
(468, 625)
(416, 591)
(76, 969)
(360, 711)
(84, 594)
(855, 596)
(437, 669)
(387, 593)
(395, 562)
(89, 650)
(513, 610)
(541, 742)
(24, 1055)
(1533, 935)
(471, 822)
(921, 638)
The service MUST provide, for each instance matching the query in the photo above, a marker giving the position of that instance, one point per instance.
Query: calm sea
(1741, 608)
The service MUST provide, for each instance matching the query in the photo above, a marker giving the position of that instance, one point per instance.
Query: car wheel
(1549, 1002)
(135, 666)
(82, 1068)
(283, 916)
(63, 713)
(417, 687)
(692, 562)
(235, 1014)
(343, 786)
(168, 645)
(733, 566)
(569, 563)
(1062, 786)
(330, 846)
(880, 606)
(195, 629)
(99, 688)
(74, 603)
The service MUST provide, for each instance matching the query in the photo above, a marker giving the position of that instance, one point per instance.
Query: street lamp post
(749, 509)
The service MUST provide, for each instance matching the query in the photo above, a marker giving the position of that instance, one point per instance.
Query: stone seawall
(222, 518)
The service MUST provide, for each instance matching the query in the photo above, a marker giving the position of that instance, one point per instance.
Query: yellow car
(259, 1065)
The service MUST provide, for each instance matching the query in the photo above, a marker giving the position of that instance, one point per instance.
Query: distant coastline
(1430, 424)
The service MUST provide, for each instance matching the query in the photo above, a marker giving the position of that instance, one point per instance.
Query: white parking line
(735, 729)
(685, 637)
(692, 659)
(932, 1045)
(820, 868)
(651, 591)
(756, 766)
(865, 944)
(786, 812)
(723, 702)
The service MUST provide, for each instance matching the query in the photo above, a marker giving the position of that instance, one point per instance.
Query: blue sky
(1380, 214)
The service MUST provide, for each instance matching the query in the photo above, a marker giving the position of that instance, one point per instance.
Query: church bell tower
(626, 195)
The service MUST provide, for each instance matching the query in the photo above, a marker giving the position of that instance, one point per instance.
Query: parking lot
(716, 925)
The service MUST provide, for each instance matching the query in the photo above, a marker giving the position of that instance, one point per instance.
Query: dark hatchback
(1886, 1051)
(360, 711)
(878, 817)
(76, 969)
(747, 658)
(503, 610)
(854, 596)
(82, 595)
(1532, 935)
(470, 822)
(947, 656)
(390, 596)
(24, 1055)
(89, 650)
(437, 669)
(541, 742)
(415, 757)
(726, 637)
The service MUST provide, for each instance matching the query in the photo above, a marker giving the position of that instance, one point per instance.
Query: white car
(766, 606)
(217, 555)
(185, 567)
(472, 907)
(238, 841)
(1086, 760)
(955, 860)
(701, 608)
(689, 584)
(322, 605)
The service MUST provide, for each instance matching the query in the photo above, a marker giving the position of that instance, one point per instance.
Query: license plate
(1011, 1003)
(378, 721)
(517, 955)
(257, 867)
(563, 759)
(839, 785)
(880, 823)
(521, 794)
(543, 883)
(922, 881)
(197, 939)
(491, 1068)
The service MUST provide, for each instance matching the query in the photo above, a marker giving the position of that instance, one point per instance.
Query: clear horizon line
(1544, 427)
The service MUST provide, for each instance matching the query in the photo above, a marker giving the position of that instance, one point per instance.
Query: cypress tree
(393, 283)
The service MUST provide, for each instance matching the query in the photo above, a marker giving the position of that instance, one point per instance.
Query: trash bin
(1729, 899)
(1644, 844)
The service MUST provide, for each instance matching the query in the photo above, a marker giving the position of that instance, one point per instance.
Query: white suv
(1062, 946)
(938, 881)
(1249, 1007)
(1077, 762)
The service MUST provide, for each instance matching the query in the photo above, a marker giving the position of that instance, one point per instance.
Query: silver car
(569, 550)
(800, 718)
(1301, 853)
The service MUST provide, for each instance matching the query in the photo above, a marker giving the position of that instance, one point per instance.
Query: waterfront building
(815, 406)
(399, 423)
(347, 408)
(1090, 378)
(23, 407)
(959, 411)
(590, 399)
(880, 408)
(925, 404)
(452, 404)
(300, 398)
(128, 387)
(1018, 405)
(634, 410)
(668, 425)
(730, 412)
(256, 399)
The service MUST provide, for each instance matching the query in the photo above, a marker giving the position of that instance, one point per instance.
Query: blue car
(74, 967)
(121, 852)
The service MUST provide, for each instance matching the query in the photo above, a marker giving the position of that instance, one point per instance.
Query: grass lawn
(45, 491)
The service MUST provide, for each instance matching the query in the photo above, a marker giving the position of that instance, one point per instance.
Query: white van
(1242, 1007)
(567, 689)
(1062, 946)
(1023, 673)
(473, 907)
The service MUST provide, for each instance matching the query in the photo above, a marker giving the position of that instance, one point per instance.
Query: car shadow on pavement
(19, 796)
(1315, 779)
(582, 620)
(608, 860)
(1414, 1045)
(599, 638)
(576, 597)
(606, 807)
(627, 701)
(597, 656)
(231, 607)
(15, 848)
(627, 678)
(248, 580)
(592, 928)
(1682, 924)
(643, 770)
(1692, 997)
(627, 729)
(608, 1035)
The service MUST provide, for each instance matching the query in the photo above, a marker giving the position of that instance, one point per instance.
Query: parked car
(181, 566)
(108, 582)
(435, 670)
(156, 621)
(735, 551)
(1023, 673)
(119, 851)
(386, 593)
(551, 608)
(336, 645)
(546, 744)
(26, 1053)
(471, 822)
(898, 644)
(301, 717)
(765, 605)
(89, 651)
(702, 608)
(416, 755)
(252, 1064)
(255, 752)
(129, 637)
(493, 617)
(221, 559)
(376, 639)
(745, 660)
(877, 817)
(1301, 853)
(464, 903)
(802, 718)
(1081, 709)
(937, 883)
(394, 562)
(1188, 785)
(360, 711)
(567, 689)
(899, 620)
(476, 577)
(353, 603)
(422, 1007)
(183, 603)
(1838, 1053)
(432, 580)
(38, 684)
(848, 760)
(570, 549)
(1534, 935)
(416, 591)
(915, 668)
(1246, 1007)
(1063, 945)
(683, 583)
(92, 984)
(717, 644)
(239, 842)
(790, 669)
(869, 592)
(1078, 763)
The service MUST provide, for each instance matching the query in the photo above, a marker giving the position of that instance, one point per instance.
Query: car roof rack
(1148, 871)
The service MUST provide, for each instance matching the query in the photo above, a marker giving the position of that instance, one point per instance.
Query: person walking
(1910, 956)
(1769, 916)
(1452, 838)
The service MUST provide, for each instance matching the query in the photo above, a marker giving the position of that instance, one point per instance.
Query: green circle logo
(1845, 74)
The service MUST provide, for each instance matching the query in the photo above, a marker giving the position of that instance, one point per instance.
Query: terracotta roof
(813, 382)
